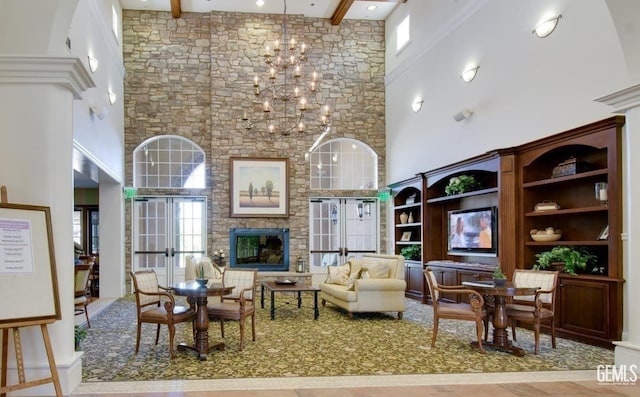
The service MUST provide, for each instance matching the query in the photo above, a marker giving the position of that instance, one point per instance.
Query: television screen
(473, 231)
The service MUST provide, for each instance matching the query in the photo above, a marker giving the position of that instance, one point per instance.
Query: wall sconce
(334, 214)
(546, 27)
(360, 211)
(112, 97)
(470, 74)
(463, 114)
(417, 104)
(99, 111)
(93, 64)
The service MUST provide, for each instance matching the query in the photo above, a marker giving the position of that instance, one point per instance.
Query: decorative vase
(404, 217)
(499, 281)
(410, 217)
(202, 281)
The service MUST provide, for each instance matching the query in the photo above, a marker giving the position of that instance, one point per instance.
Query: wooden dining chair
(534, 309)
(472, 311)
(238, 305)
(81, 290)
(156, 305)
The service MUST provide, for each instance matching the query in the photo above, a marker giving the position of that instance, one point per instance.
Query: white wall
(101, 140)
(526, 87)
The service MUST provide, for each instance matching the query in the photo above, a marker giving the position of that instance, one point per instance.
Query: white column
(627, 101)
(36, 141)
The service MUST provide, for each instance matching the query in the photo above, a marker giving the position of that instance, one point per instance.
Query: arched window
(343, 164)
(169, 161)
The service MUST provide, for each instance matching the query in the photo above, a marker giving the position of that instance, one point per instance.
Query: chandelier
(282, 98)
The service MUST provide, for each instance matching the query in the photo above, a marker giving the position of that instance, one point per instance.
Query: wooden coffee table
(298, 288)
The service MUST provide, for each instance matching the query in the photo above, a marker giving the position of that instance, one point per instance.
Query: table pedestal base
(202, 354)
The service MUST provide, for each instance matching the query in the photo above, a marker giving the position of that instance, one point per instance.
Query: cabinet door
(468, 275)
(584, 307)
(414, 277)
(447, 277)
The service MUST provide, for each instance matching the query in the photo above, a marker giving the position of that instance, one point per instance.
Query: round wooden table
(195, 291)
(498, 295)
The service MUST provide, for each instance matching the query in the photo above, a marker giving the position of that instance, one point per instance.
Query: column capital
(66, 71)
(623, 100)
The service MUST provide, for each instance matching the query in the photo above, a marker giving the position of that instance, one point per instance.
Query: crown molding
(65, 71)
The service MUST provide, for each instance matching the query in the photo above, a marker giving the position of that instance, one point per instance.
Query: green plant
(573, 259)
(200, 271)
(411, 252)
(79, 334)
(497, 273)
(460, 184)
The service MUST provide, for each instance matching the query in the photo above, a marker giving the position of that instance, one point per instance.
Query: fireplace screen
(262, 249)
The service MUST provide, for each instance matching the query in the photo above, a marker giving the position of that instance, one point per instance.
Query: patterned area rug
(295, 345)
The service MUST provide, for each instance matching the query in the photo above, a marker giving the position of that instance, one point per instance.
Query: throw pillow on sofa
(377, 269)
(338, 274)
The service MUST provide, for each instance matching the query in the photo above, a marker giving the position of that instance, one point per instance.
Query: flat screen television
(473, 231)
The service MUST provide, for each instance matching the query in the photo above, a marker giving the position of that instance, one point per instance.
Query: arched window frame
(169, 162)
(343, 164)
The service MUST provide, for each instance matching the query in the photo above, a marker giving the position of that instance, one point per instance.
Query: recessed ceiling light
(259, 3)
(372, 7)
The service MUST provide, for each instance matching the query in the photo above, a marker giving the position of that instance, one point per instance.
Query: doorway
(165, 230)
(341, 228)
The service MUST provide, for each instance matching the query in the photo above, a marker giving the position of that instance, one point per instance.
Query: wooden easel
(15, 329)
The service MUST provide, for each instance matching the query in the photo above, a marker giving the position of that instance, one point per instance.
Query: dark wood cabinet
(454, 273)
(414, 277)
(408, 231)
(589, 305)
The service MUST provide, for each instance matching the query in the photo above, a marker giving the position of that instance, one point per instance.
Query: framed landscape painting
(259, 187)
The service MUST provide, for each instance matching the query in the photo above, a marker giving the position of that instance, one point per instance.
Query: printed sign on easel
(27, 265)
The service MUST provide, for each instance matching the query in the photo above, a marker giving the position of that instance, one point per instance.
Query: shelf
(408, 242)
(462, 195)
(568, 178)
(415, 224)
(566, 242)
(581, 210)
(405, 206)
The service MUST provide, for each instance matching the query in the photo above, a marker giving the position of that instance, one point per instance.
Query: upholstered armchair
(473, 311)
(81, 293)
(534, 309)
(156, 305)
(239, 304)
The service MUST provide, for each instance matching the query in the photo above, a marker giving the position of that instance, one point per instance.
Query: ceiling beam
(341, 11)
(344, 5)
(176, 9)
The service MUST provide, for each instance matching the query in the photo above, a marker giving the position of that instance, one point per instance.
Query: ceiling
(355, 9)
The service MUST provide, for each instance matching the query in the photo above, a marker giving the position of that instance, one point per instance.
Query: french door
(165, 230)
(341, 228)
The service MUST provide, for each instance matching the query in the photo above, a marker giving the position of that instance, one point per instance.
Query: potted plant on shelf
(571, 259)
(499, 278)
(460, 184)
(412, 252)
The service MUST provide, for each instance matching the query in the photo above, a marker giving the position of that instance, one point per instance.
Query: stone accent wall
(193, 76)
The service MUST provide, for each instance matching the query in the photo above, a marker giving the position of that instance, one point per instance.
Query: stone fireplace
(265, 249)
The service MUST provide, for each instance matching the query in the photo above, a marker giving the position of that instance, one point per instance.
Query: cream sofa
(373, 283)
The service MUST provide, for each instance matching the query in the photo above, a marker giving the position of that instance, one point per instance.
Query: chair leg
(222, 328)
(553, 333)
(486, 329)
(479, 332)
(138, 336)
(253, 327)
(241, 333)
(435, 332)
(172, 333)
(157, 334)
(536, 336)
(513, 330)
(86, 314)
